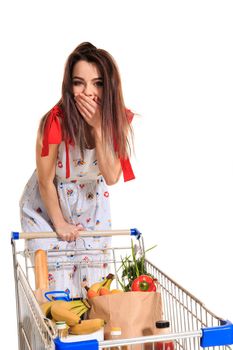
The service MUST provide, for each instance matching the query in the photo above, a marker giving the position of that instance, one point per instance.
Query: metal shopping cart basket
(193, 326)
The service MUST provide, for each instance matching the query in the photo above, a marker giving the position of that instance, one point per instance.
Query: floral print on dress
(90, 195)
(84, 199)
(59, 164)
(82, 174)
(78, 162)
(86, 259)
(69, 192)
(51, 279)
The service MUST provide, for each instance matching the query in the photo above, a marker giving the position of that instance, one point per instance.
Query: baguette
(41, 270)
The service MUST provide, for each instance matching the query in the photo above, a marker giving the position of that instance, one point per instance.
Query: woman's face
(87, 79)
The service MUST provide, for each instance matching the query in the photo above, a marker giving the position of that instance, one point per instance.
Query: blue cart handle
(64, 295)
(92, 344)
(217, 336)
(109, 233)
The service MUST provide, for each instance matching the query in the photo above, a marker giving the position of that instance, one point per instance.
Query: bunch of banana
(78, 307)
(68, 311)
(46, 307)
(61, 312)
(95, 288)
(87, 326)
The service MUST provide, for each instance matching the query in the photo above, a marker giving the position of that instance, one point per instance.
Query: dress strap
(67, 145)
(67, 160)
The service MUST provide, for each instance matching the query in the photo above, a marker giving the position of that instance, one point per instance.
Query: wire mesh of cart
(193, 326)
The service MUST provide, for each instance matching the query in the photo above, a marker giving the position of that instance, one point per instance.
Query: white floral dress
(84, 198)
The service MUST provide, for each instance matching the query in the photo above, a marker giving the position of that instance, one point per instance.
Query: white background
(175, 59)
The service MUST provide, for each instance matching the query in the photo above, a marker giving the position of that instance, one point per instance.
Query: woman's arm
(110, 166)
(46, 167)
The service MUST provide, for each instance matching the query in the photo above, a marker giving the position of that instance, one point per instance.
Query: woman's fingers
(89, 109)
(93, 118)
(69, 237)
(97, 100)
(88, 101)
(65, 237)
(84, 111)
(69, 232)
(80, 227)
(88, 105)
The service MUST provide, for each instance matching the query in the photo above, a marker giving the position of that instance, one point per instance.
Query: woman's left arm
(110, 166)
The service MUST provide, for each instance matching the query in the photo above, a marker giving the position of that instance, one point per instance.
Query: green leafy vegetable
(132, 267)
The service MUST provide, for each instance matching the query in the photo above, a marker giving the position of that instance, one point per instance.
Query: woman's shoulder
(51, 128)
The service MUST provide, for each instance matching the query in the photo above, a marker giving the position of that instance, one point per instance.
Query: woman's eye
(77, 83)
(99, 83)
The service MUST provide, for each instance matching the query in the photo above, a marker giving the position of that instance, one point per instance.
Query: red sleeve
(127, 170)
(52, 130)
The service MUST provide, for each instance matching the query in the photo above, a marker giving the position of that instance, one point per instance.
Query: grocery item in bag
(134, 312)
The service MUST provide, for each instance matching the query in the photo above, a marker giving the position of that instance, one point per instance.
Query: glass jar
(163, 327)
(116, 334)
(62, 330)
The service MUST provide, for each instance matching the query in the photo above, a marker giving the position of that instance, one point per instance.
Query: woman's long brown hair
(116, 128)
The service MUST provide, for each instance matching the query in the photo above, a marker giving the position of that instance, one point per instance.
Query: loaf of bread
(41, 270)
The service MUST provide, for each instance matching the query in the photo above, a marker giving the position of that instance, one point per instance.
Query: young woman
(82, 146)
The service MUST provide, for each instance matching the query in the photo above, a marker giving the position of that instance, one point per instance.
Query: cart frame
(193, 325)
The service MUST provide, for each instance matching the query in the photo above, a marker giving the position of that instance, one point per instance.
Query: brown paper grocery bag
(134, 312)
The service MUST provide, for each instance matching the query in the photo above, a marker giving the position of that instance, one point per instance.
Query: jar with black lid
(163, 327)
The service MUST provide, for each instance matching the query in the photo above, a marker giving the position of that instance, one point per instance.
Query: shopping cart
(193, 326)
